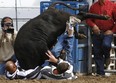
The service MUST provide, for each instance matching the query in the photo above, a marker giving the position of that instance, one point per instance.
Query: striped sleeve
(24, 74)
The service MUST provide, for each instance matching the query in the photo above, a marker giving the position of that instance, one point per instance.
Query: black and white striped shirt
(24, 74)
(47, 72)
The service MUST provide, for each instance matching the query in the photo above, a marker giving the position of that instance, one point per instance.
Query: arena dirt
(80, 79)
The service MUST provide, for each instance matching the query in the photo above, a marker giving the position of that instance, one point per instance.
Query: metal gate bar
(113, 59)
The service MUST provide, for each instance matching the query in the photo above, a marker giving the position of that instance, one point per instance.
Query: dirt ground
(80, 79)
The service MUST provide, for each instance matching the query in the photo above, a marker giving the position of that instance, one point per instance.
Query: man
(63, 70)
(102, 33)
(65, 41)
(7, 37)
(64, 46)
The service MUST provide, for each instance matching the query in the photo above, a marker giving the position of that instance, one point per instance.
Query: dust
(80, 79)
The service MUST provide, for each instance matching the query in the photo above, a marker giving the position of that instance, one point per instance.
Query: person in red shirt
(102, 33)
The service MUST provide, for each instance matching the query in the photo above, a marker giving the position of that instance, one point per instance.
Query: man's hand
(51, 57)
(96, 30)
(108, 32)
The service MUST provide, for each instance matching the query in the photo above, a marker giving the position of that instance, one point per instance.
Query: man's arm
(51, 57)
(91, 23)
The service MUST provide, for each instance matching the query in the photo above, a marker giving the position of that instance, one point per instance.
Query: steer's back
(37, 36)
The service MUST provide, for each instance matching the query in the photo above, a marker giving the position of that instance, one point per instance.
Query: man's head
(102, 1)
(6, 21)
(10, 66)
(7, 24)
(62, 67)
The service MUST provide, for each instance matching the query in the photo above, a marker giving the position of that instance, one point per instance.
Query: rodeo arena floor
(80, 79)
(85, 68)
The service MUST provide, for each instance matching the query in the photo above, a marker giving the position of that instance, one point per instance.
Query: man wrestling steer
(40, 33)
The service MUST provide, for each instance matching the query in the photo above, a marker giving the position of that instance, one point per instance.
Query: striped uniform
(47, 73)
(24, 74)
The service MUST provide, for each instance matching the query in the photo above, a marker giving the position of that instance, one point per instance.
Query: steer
(40, 33)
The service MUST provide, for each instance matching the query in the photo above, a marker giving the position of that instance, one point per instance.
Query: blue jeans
(2, 65)
(2, 68)
(66, 43)
(101, 50)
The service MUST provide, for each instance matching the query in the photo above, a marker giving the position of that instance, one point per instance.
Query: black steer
(40, 33)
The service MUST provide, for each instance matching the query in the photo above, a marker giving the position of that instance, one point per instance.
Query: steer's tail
(83, 16)
(91, 15)
(62, 3)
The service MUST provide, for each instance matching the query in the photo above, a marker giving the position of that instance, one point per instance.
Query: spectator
(7, 37)
(102, 33)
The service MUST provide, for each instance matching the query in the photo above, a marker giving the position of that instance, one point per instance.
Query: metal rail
(110, 71)
(114, 59)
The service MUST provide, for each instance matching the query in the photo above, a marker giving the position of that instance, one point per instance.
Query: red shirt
(107, 8)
